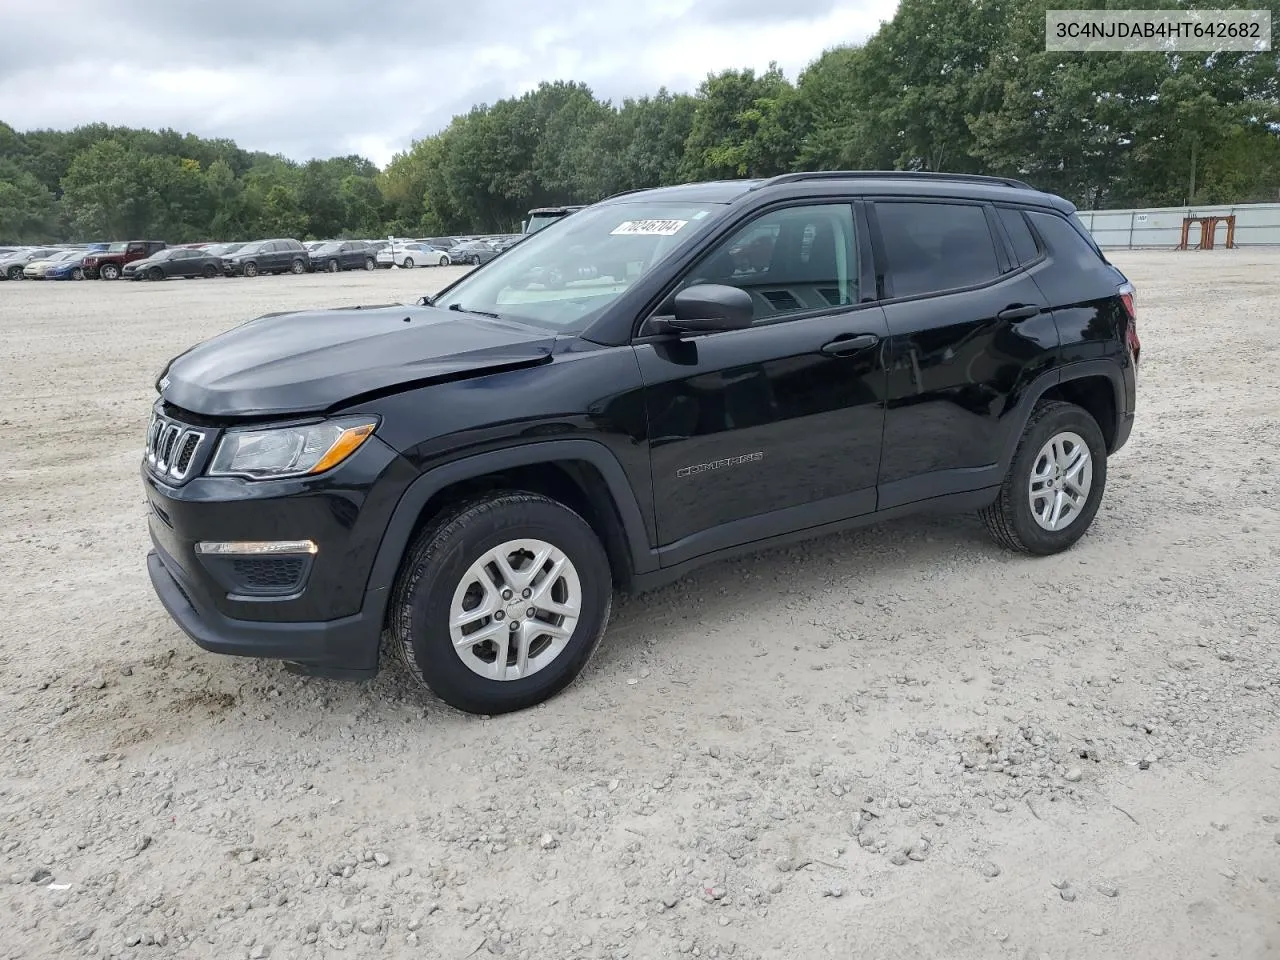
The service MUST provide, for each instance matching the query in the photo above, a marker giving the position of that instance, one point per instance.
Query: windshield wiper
(482, 313)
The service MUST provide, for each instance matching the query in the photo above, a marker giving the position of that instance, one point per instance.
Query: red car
(108, 264)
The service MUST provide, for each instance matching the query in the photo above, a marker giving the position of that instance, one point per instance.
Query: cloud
(323, 77)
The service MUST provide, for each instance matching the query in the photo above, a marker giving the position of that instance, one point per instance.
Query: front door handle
(843, 346)
(1020, 311)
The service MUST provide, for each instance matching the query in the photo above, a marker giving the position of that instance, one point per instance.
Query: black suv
(343, 255)
(267, 256)
(662, 379)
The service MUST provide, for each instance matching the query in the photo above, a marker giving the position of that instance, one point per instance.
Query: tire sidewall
(431, 597)
(1069, 419)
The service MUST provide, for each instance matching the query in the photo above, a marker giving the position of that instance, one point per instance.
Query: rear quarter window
(1024, 242)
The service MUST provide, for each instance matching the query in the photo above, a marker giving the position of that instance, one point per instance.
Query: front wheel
(155, 273)
(250, 269)
(333, 266)
(109, 271)
(501, 602)
(77, 274)
(1055, 482)
(14, 273)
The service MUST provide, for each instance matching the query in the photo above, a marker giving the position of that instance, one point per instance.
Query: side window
(791, 261)
(932, 247)
(275, 246)
(137, 248)
(1015, 225)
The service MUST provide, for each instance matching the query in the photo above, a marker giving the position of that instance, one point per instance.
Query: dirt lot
(896, 743)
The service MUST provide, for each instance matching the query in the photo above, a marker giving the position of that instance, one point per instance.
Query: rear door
(967, 328)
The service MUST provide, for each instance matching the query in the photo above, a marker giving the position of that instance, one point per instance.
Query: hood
(307, 362)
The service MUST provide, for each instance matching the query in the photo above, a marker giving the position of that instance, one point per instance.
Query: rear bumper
(344, 649)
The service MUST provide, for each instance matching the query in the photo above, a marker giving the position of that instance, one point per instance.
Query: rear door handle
(1022, 311)
(845, 345)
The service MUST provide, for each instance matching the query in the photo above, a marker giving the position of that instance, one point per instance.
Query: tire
(109, 271)
(333, 266)
(434, 579)
(370, 263)
(1012, 518)
(155, 273)
(475, 260)
(14, 273)
(250, 269)
(407, 263)
(443, 261)
(209, 271)
(297, 268)
(77, 274)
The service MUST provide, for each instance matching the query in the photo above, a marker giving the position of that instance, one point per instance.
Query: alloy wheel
(1061, 478)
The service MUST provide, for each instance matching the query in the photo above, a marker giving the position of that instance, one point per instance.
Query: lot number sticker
(648, 228)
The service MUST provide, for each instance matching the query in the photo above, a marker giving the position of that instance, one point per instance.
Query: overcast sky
(316, 78)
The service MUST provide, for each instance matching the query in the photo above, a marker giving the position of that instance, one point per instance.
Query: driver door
(760, 431)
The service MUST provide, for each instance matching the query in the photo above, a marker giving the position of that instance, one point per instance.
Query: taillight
(1128, 295)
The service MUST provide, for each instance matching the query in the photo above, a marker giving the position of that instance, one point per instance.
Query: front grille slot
(172, 448)
(262, 573)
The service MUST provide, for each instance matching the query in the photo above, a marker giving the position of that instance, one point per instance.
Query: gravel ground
(899, 742)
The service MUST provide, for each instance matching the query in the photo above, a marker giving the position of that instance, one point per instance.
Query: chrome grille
(172, 447)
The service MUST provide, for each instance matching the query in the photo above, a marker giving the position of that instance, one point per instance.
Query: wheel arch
(1095, 385)
(582, 474)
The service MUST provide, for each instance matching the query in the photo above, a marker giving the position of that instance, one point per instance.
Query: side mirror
(709, 308)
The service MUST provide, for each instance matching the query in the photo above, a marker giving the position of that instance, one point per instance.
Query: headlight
(289, 451)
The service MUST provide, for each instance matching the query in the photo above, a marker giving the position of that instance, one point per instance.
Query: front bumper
(326, 617)
(343, 649)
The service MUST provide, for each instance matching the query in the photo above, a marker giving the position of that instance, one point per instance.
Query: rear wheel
(14, 273)
(443, 261)
(370, 263)
(407, 263)
(1055, 482)
(297, 267)
(501, 602)
(109, 271)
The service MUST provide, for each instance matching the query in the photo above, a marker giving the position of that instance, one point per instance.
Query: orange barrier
(1208, 232)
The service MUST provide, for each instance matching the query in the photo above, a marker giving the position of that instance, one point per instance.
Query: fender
(405, 516)
(1076, 370)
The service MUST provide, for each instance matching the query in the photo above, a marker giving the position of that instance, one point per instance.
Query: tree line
(954, 85)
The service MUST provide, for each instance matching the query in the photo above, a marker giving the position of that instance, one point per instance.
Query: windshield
(563, 278)
(222, 249)
(326, 248)
(70, 255)
(118, 248)
(252, 247)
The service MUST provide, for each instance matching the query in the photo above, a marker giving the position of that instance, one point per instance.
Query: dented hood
(309, 361)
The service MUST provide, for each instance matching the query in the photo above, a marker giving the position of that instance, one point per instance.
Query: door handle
(1020, 311)
(845, 345)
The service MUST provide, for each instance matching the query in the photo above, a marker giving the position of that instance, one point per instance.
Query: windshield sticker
(648, 228)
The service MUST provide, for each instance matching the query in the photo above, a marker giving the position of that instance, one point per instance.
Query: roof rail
(890, 175)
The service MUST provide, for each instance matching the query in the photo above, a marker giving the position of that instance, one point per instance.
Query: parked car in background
(36, 269)
(267, 256)
(410, 255)
(11, 266)
(223, 249)
(474, 252)
(109, 264)
(69, 268)
(174, 262)
(343, 255)
(540, 217)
